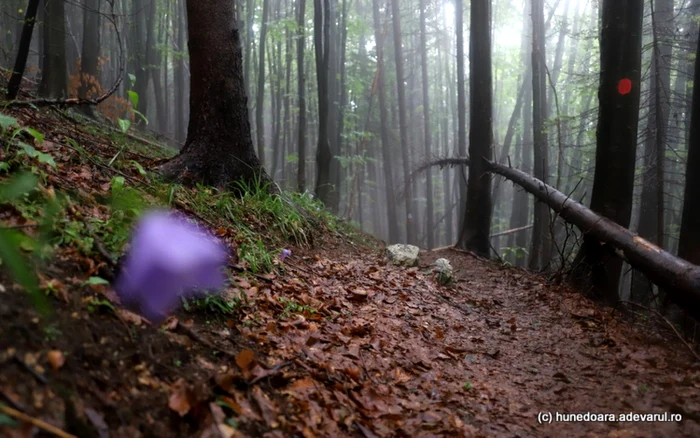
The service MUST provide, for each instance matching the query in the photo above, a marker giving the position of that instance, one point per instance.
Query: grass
(261, 223)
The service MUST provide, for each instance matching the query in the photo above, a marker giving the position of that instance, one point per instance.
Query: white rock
(443, 270)
(402, 255)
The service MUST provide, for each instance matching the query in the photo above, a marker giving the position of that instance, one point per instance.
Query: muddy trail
(330, 342)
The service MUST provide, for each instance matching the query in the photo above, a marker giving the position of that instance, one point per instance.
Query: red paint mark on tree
(624, 86)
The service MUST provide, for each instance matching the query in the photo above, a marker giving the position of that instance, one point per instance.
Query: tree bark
(387, 159)
(541, 239)
(689, 245)
(324, 187)
(427, 133)
(461, 105)
(476, 225)
(219, 148)
(54, 73)
(613, 185)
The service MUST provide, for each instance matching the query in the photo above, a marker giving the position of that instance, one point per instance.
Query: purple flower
(285, 253)
(169, 258)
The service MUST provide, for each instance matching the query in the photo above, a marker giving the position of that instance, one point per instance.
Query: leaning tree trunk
(219, 147)
(23, 50)
(476, 223)
(680, 278)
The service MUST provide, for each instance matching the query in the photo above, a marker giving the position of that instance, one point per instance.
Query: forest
(559, 139)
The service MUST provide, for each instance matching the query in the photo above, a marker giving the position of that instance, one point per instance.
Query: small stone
(443, 269)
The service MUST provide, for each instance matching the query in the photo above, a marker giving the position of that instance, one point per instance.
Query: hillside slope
(331, 341)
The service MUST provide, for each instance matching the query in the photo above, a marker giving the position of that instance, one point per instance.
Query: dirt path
(343, 345)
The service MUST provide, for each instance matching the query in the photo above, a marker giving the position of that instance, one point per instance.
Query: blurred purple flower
(169, 258)
(285, 253)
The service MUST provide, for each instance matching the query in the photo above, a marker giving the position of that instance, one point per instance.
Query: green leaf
(124, 124)
(17, 187)
(7, 121)
(38, 136)
(4, 167)
(139, 167)
(10, 241)
(134, 97)
(46, 159)
(132, 78)
(95, 281)
(140, 115)
(117, 184)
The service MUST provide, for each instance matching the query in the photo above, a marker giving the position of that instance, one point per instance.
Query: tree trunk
(387, 157)
(403, 121)
(260, 101)
(301, 79)
(325, 190)
(651, 220)
(680, 277)
(181, 76)
(428, 135)
(461, 105)
(23, 50)
(219, 147)
(54, 73)
(476, 224)
(613, 185)
(689, 245)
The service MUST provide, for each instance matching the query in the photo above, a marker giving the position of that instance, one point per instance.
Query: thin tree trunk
(301, 37)
(23, 50)
(260, 102)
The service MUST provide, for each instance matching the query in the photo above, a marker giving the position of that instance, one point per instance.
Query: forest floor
(331, 342)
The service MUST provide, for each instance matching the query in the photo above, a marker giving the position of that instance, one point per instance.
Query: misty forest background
(380, 129)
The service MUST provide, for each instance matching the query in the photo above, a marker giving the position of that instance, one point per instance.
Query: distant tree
(616, 139)
(427, 132)
(89, 58)
(260, 97)
(219, 147)
(476, 223)
(301, 80)
(54, 72)
(461, 104)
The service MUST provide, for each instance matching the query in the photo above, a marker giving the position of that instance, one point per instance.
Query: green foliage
(292, 306)
(213, 304)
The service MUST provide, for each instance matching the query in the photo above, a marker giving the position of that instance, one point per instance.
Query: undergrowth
(56, 214)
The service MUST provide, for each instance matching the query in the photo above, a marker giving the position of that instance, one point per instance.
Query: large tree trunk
(403, 121)
(651, 220)
(301, 79)
(613, 185)
(387, 159)
(180, 73)
(23, 50)
(427, 134)
(689, 245)
(325, 190)
(541, 237)
(219, 147)
(54, 74)
(476, 223)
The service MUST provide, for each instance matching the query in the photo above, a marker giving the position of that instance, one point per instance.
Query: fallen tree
(677, 277)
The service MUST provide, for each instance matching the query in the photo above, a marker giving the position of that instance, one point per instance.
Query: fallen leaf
(245, 359)
(179, 400)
